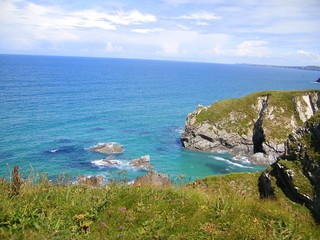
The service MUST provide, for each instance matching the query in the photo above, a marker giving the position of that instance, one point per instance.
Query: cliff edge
(256, 125)
(297, 172)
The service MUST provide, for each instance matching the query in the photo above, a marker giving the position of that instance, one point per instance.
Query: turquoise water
(54, 108)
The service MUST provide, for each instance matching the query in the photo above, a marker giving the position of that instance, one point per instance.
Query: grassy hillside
(222, 207)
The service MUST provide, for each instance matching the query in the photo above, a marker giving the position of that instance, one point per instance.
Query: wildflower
(123, 209)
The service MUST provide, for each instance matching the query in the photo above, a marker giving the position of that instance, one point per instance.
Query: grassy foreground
(222, 207)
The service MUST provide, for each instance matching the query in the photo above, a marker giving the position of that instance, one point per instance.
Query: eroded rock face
(107, 148)
(257, 123)
(297, 172)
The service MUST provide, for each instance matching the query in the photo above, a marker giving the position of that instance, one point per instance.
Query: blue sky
(283, 32)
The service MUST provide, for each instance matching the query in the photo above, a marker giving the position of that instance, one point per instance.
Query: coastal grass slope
(220, 207)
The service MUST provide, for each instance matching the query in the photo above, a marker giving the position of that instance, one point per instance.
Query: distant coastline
(309, 68)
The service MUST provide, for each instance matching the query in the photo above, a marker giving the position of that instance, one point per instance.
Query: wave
(54, 150)
(178, 130)
(110, 163)
(63, 149)
(230, 162)
(243, 159)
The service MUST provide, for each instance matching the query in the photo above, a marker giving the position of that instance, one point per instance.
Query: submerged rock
(111, 161)
(257, 123)
(107, 148)
(141, 163)
(152, 178)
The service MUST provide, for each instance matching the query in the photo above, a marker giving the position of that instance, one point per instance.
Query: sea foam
(230, 162)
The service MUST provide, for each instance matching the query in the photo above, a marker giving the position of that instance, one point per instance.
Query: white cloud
(110, 47)
(41, 21)
(219, 51)
(312, 56)
(249, 48)
(207, 16)
(147, 30)
(201, 23)
(252, 48)
(198, 2)
(207, 30)
(169, 48)
(129, 18)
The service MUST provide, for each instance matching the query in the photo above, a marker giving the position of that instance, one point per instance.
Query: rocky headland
(256, 125)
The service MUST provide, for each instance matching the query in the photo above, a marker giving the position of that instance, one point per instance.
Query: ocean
(52, 109)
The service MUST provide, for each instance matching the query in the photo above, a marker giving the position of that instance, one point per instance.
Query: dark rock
(152, 178)
(265, 187)
(107, 148)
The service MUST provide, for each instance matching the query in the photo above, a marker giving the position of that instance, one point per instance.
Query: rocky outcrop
(107, 148)
(297, 172)
(152, 178)
(90, 181)
(141, 163)
(257, 124)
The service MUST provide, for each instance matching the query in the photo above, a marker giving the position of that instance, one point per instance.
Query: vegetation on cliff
(222, 207)
(283, 108)
(257, 123)
(297, 172)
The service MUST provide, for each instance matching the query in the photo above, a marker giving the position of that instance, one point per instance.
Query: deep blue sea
(52, 109)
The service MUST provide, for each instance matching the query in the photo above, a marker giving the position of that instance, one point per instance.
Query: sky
(275, 32)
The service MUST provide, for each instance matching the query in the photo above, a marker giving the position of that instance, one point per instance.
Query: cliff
(256, 125)
(297, 172)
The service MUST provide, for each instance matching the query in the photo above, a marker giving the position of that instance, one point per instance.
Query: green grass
(299, 180)
(222, 207)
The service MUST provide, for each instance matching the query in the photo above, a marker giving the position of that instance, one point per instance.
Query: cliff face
(257, 124)
(297, 172)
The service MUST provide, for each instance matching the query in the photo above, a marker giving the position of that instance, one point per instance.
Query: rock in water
(141, 162)
(257, 123)
(297, 172)
(107, 148)
(153, 178)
